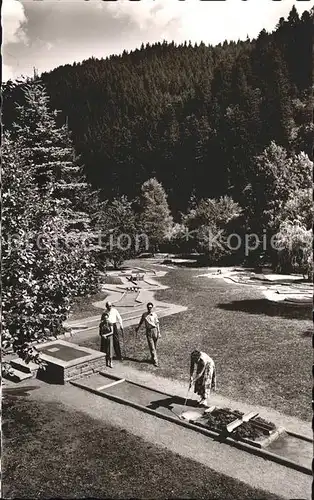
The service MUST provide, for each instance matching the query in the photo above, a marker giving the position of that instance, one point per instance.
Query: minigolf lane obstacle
(271, 443)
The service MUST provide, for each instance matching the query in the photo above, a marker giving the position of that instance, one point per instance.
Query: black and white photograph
(157, 249)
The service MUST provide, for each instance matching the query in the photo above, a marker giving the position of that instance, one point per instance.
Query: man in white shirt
(114, 318)
(151, 321)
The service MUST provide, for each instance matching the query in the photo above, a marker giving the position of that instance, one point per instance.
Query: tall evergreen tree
(45, 259)
(155, 218)
(40, 273)
(49, 148)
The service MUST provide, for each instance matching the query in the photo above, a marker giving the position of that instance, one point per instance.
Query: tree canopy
(44, 260)
(227, 131)
(193, 116)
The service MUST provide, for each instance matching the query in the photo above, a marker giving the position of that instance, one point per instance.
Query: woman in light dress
(205, 376)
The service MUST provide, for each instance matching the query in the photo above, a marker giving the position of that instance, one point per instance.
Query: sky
(48, 33)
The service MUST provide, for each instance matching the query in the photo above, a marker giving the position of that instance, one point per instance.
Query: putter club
(186, 397)
(187, 394)
(179, 416)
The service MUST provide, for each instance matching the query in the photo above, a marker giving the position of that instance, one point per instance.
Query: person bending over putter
(151, 321)
(205, 377)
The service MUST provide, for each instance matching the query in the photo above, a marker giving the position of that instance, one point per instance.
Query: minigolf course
(291, 289)
(247, 432)
(131, 291)
(224, 430)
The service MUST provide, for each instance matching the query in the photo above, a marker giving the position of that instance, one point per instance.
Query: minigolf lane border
(253, 450)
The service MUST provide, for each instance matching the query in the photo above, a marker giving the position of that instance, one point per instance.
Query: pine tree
(155, 218)
(45, 262)
(39, 274)
(48, 148)
(276, 110)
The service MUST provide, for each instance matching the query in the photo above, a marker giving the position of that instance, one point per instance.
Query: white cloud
(13, 19)
(146, 13)
(49, 45)
(7, 73)
(49, 33)
(13, 24)
(212, 22)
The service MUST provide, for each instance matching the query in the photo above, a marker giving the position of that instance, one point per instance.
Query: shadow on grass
(143, 360)
(18, 391)
(263, 306)
(188, 265)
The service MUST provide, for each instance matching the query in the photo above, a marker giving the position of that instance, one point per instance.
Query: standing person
(151, 321)
(114, 318)
(205, 377)
(106, 338)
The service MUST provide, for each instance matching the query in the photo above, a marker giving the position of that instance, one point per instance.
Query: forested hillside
(194, 148)
(194, 117)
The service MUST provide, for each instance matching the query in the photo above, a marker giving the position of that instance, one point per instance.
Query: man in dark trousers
(151, 321)
(114, 318)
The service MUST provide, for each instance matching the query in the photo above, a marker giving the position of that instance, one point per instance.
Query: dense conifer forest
(193, 116)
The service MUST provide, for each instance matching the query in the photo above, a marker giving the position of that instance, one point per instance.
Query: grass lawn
(51, 452)
(262, 350)
(83, 307)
